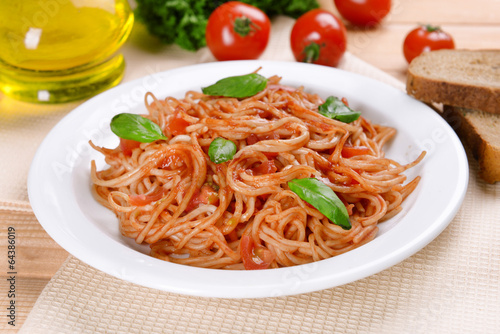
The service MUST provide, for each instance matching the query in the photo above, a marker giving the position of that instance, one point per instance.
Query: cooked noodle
(280, 136)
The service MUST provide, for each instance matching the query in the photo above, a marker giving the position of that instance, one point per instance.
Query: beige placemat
(451, 286)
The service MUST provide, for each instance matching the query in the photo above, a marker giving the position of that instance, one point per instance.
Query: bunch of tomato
(236, 30)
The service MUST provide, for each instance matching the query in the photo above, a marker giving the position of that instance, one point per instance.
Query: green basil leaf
(136, 127)
(323, 198)
(237, 86)
(334, 108)
(221, 150)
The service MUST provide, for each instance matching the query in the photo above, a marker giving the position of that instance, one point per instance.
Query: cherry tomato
(426, 38)
(318, 37)
(237, 31)
(254, 257)
(365, 13)
(127, 145)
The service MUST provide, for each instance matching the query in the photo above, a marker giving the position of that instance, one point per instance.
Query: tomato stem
(431, 28)
(311, 52)
(244, 26)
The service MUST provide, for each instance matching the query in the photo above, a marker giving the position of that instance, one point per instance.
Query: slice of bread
(463, 78)
(480, 131)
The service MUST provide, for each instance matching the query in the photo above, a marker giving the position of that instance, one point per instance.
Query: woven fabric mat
(451, 286)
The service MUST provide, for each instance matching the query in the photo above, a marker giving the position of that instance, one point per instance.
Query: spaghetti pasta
(241, 213)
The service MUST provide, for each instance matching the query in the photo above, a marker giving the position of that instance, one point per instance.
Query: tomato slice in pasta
(127, 146)
(352, 151)
(254, 256)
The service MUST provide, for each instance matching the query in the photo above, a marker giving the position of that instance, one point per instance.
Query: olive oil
(61, 50)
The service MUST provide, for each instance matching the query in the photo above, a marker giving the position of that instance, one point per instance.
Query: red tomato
(253, 138)
(318, 37)
(232, 236)
(127, 145)
(365, 13)
(177, 125)
(237, 31)
(426, 38)
(172, 162)
(254, 257)
(206, 195)
(264, 168)
(351, 151)
(140, 200)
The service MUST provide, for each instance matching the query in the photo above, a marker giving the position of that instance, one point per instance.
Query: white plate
(59, 185)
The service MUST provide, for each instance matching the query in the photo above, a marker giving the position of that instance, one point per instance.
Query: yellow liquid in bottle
(60, 50)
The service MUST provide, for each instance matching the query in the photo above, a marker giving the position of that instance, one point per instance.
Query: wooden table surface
(473, 24)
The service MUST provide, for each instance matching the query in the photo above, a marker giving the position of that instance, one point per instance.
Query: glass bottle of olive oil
(61, 50)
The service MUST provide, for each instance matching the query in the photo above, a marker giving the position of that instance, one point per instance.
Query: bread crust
(487, 153)
(429, 80)
(466, 96)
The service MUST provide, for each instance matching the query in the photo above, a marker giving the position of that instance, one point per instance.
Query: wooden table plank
(443, 12)
(37, 255)
(28, 289)
(37, 259)
(439, 12)
(383, 47)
